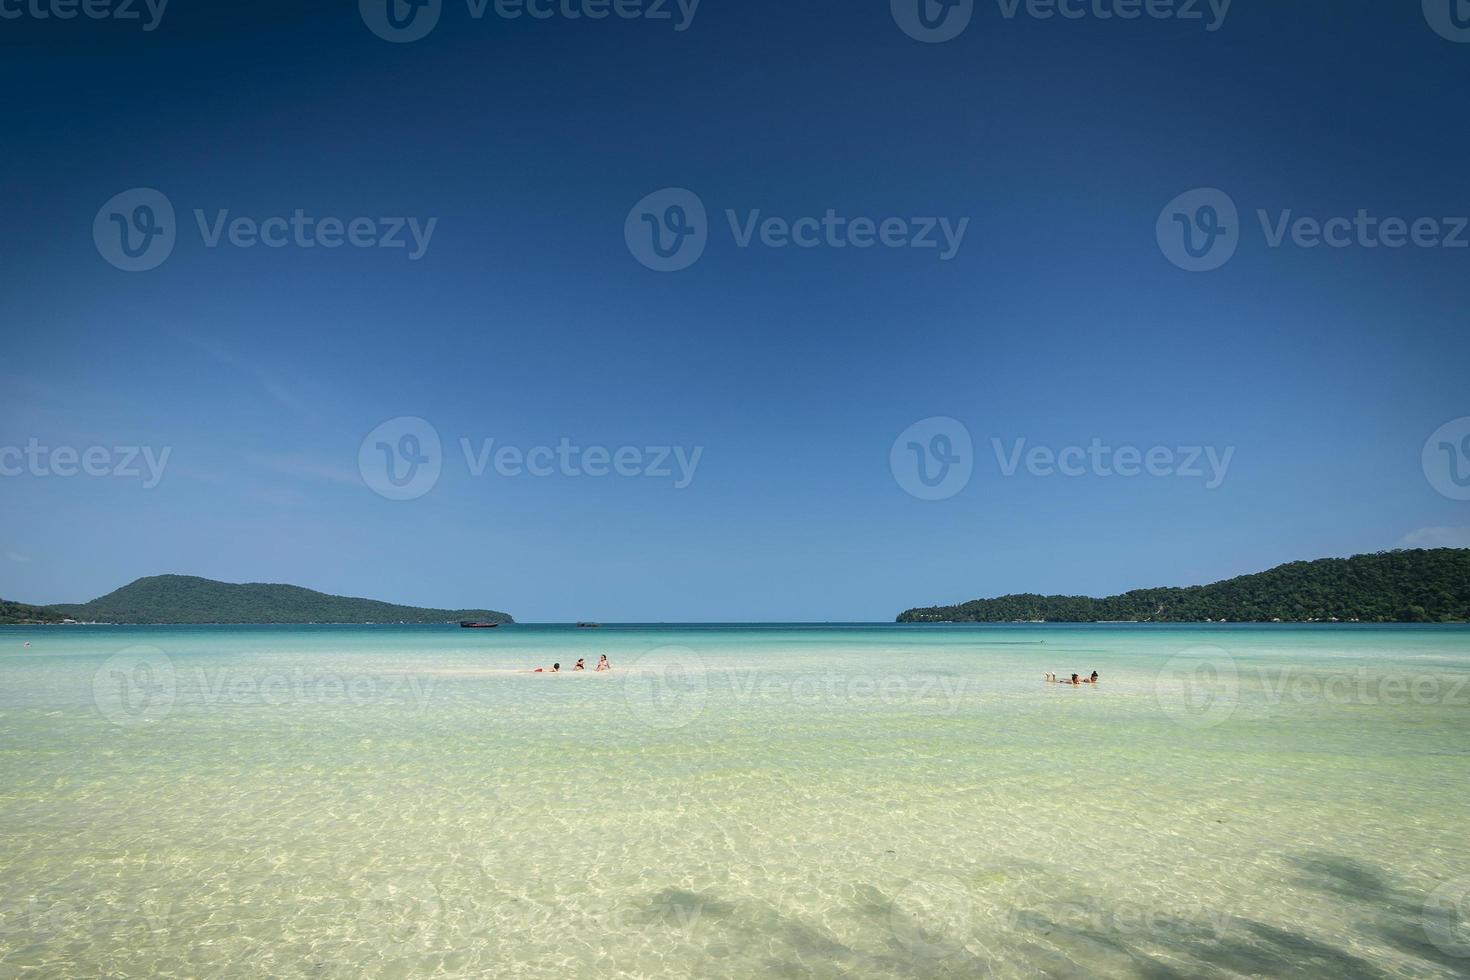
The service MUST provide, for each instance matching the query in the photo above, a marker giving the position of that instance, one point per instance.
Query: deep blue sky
(528, 320)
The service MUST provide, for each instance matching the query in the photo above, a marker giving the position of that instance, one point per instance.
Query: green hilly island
(186, 599)
(12, 613)
(1407, 586)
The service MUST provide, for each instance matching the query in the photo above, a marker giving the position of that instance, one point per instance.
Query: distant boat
(467, 625)
(588, 626)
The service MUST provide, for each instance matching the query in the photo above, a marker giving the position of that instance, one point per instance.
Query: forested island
(1407, 586)
(186, 599)
(13, 613)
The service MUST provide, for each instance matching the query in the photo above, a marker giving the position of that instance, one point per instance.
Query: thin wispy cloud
(16, 556)
(277, 496)
(24, 387)
(304, 466)
(269, 380)
(1437, 537)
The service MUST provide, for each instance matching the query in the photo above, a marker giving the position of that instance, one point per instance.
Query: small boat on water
(588, 626)
(465, 624)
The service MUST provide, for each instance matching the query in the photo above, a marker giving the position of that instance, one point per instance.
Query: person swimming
(1074, 679)
(1093, 678)
(602, 663)
(580, 665)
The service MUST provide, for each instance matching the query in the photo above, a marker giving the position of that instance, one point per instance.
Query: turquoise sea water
(735, 801)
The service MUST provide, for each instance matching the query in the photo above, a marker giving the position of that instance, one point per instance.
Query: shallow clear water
(728, 801)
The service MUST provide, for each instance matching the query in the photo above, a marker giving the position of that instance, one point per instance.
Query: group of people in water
(1052, 679)
(602, 665)
(581, 664)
